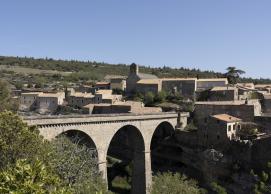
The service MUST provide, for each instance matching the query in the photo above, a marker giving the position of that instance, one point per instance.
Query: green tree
(6, 102)
(149, 98)
(18, 141)
(76, 165)
(160, 97)
(169, 183)
(217, 188)
(233, 74)
(31, 178)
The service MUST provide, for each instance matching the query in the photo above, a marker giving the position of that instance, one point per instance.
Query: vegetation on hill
(91, 70)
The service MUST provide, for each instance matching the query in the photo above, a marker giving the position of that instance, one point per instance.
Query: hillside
(73, 70)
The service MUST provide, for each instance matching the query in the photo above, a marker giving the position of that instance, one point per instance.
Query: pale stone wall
(118, 84)
(28, 100)
(205, 84)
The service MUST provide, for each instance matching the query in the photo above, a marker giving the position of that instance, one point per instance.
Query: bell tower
(134, 69)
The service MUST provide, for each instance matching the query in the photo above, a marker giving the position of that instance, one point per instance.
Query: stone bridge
(105, 132)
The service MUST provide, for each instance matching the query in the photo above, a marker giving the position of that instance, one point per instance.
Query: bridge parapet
(101, 118)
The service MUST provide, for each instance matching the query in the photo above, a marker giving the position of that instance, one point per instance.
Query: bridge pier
(142, 176)
(102, 166)
(148, 171)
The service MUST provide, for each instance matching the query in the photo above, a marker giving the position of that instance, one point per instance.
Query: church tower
(134, 69)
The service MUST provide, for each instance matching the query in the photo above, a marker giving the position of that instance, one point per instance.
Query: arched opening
(126, 161)
(163, 149)
(81, 138)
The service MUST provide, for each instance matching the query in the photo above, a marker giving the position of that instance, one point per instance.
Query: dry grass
(25, 70)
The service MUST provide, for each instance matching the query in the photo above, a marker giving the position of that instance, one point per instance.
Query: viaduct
(111, 132)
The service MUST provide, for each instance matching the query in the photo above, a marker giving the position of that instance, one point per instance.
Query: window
(218, 121)
(239, 127)
(229, 128)
(234, 127)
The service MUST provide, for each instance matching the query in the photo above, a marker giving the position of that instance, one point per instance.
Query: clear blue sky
(205, 34)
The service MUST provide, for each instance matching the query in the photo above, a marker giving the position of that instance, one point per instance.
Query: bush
(149, 98)
(6, 102)
(217, 188)
(169, 183)
(30, 178)
(18, 141)
(160, 97)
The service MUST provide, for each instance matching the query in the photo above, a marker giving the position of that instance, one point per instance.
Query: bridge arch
(79, 137)
(158, 146)
(127, 145)
(162, 131)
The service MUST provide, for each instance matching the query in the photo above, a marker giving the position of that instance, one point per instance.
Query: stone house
(102, 86)
(246, 85)
(240, 109)
(118, 83)
(106, 96)
(263, 87)
(148, 85)
(223, 93)
(86, 89)
(206, 84)
(80, 99)
(43, 102)
(49, 102)
(245, 90)
(220, 130)
(28, 101)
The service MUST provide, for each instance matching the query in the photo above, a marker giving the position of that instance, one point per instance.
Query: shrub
(169, 183)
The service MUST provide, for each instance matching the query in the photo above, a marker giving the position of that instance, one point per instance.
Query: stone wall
(144, 88)
(261, 152)
(203, 84)
(267, 105)
(242, 111)
(264, 121)
(223, 95)
(186, 88)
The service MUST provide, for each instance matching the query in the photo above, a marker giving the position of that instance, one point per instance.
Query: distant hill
(91, 70)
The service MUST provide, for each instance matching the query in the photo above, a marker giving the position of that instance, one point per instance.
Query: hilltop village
(226, 133)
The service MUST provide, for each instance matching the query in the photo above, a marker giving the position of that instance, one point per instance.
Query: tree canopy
(29, 164)
(170, 183)
(233, 74)
(6, 102)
